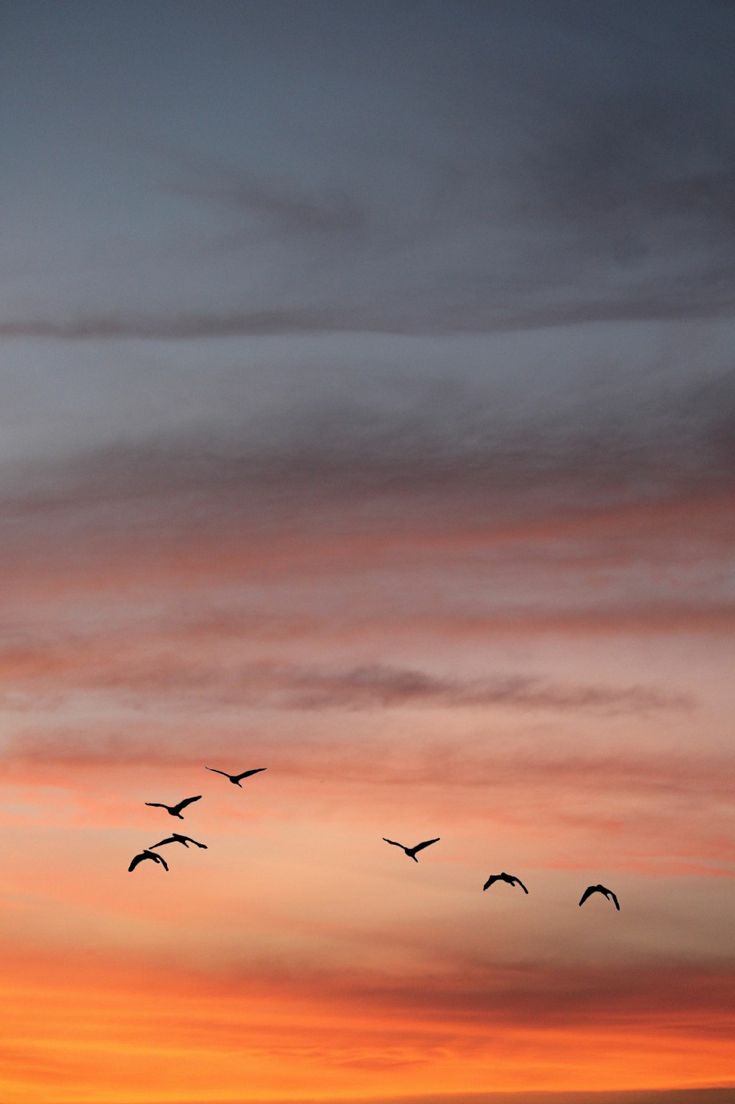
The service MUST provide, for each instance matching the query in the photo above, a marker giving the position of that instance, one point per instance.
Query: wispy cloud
(459, 478)
(619, 209)
(384, 686)
(544, 467)
(131, 672)
(285, 207)
(182, 326)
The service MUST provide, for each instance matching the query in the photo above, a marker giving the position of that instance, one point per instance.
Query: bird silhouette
(503, 877)
(176, 838)
(237, 778)
(600, 889)
(146, 854)
(411, 851)
(174, 810)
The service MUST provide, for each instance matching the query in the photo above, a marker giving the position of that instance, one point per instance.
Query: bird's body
(176, 838)
(236, 779)
(600, 889)
(411, 851)
(147, 854)
(503, 877)
(174, 810)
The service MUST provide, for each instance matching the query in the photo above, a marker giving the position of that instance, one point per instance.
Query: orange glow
(135, 1032)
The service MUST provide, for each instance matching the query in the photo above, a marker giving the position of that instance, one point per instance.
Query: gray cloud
(619, 441)
(621, 473)
(617, 205)
(383, 686)
(178, 327)
(508, 168)
(282, 206)
(202, 684)
(620, 207)
(704, 295)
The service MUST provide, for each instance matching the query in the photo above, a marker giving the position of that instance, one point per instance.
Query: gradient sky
(367, 413)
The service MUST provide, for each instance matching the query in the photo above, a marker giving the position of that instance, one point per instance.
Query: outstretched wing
(195, 842)
(187, 801)
(489, 882)
(162, 861)
(518, 881)
(395, 844)
(587, 893)
(215, 771)
(156, 805)
(169, 839)
(426, 843)
(246, 774)
(137, 859)
(615, 900)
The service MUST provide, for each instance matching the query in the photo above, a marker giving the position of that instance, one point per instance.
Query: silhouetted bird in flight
(146, 854)
(600, 889)
(411, 851)
(176, 838)
(237, 778)
(503, 877)
(174, 810)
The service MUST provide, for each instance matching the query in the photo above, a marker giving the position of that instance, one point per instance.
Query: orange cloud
(136, 1032)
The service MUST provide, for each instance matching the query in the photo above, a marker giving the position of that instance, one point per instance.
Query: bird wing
(137, 859)
(169, 839)
(395, 844)
(587, 893)
(615, 900)
(156, 805)
(196, 842)
(187, 801)
(162, 861)
(519, 882)
(246, 774)
(489, 882)
(426, 843)
(215, 771)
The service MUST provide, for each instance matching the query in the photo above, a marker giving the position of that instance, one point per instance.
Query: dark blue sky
(383, 188)
(186, 169)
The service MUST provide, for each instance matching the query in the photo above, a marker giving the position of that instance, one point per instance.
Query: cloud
(620, 208)
(670, 1017)
(504, 183)
(551, 463)
(287, 208)
(192, 325)
(384, 686)
(710, 298)
(703, 1095)
(133, 673)
(565, 499)
(565, 775)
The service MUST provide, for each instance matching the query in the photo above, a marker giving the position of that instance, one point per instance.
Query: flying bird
(600, 889)
(236, 779)
(503, 877)
(174, 810)
(146, 854)
(176, 838)
(411, 851)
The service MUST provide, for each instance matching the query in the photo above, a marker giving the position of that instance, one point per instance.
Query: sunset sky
(367, 413)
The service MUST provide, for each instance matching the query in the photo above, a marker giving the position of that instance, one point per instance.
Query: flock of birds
(236, 779)
(176, 811)
(510, 879)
